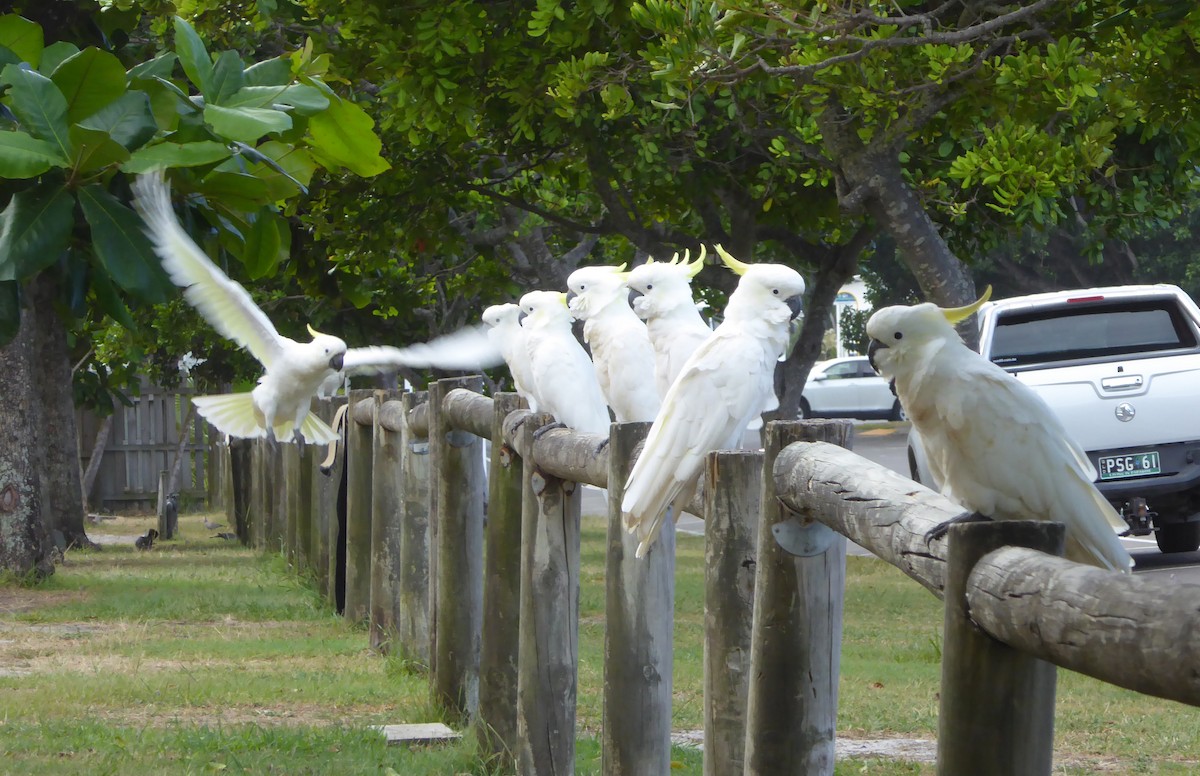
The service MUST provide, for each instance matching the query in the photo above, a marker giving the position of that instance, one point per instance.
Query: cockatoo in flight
(662, 297)
(278, 407)
(564, 381)
(506, 335)
(724, 384)
(620, 344)
(994, 444)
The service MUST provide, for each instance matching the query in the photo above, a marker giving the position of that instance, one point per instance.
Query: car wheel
(1178, 537)
(898, 412)
(805, 410)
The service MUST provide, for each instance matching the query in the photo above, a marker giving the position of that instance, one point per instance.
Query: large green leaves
(119, 240)
(38, 105)
(246, 124)
(197, 65)
(89, 80)
(35, 230)
(23, 156)
(264, 247)
(128, 120)
(22, 37)
(343, 134)
(164, 155)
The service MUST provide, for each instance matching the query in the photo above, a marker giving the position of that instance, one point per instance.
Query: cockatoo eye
(898, 335)
(649, 286)
(582, 287)
(775, 291)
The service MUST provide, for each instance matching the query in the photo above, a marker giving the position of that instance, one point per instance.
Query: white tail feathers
(234, 414)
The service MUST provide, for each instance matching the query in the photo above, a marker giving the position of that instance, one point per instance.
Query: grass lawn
(203, 657)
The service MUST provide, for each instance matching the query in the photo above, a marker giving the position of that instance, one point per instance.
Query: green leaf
(10, 310)
(35, 229)
(7, 57)
(245, 124)
(38, 105)
(89, 80)
(306, 100)
(343, 133)
(160, 67)
(22, 37)
(269, 72)
(120, 242)
(292, 169)
(233, 190)
(129, 120)
(110, 301)
(55, 54)
(262, 250)
(94, 149)
(197, 65)
(226, 77)
(163, 155)
(23, 156)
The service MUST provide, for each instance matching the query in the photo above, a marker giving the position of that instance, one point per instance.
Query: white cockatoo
(564, 381)
(620, 344)
(507, 336)
(724, 384)
(278, 407)
(994, 444)
(663, 299)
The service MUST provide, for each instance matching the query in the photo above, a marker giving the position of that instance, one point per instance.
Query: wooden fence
(141, 442)
(405, 551)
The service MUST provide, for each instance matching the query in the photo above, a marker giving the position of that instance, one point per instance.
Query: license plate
(1116, 467)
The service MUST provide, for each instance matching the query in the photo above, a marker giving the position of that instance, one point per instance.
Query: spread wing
(224, 303)
(467, 348)
(720, 388)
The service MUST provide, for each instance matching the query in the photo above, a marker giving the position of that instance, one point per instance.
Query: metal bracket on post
(804, 539)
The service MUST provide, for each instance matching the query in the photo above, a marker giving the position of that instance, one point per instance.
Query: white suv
(1121, 367)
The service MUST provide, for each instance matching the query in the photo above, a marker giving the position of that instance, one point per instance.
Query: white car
(848, 388)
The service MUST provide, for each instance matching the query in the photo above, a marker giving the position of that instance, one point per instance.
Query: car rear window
(1090, 331)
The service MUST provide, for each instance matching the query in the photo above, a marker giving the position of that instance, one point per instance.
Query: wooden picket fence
(402, 546)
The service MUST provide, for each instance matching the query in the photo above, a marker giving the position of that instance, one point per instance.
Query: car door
(835, 392)
(874, 395)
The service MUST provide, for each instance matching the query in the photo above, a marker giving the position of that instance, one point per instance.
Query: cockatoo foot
(549, 427)
(941, 529)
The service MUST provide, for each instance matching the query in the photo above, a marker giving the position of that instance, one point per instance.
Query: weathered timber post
(385, 524)
(166, 526)
(996, 716)
(497, 724)
(303, 509)
(549, 640)
(412, 616)
(459, 479)
(639, 609)
(732, 509)
(359, 420)
(327, 496)
(293, 499)
(240, 483)
(791, 713)
(279, 500)
(260, 499)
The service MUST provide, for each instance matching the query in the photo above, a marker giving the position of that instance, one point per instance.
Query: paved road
(887, 447)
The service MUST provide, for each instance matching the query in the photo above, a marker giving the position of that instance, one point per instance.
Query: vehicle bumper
(1180, 464)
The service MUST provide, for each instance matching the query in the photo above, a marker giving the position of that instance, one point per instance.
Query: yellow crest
(313, 332)
(739, 267)
(956, 314)
(694, 268)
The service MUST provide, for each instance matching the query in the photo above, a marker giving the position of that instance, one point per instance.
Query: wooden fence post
(791, 714)
(549, 639)
(732, 507)
(293, 499)
(458, 462)
(413, 595)
(639, 609)
(996, 716)
(240, 479)
(327, 493)
(497, 725)
(386, 514)
(260, 499)
(279, 500)
(358, 504)
(301, 490)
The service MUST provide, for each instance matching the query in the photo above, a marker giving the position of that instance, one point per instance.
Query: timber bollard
(359, 422)
(458, 540)
(732, 510)
(412, 616)
(549, 640)
(328, 498)
(386, 513)
(497, 724)
(996, 716)
(791, 713)
(640, 623)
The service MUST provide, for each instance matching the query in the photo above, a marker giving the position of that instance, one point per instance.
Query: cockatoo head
(770, 291)
(501, 315)
(326, 350)
(899, 331)
(544, 308)
(594, 288)
(658, 288)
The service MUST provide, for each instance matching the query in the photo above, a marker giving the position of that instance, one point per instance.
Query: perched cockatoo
(564, 381)
(278, 407)
(620, 344)
(724, 384)
(994, 444)
(507, 336)
(662, 297)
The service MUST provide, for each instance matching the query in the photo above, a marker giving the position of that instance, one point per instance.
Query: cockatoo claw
(941, 529)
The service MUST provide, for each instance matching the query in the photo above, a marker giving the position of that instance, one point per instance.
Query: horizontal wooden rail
(1125, 630)
(561, 452)
(391, 415)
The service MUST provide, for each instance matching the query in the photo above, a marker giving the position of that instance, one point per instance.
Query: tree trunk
(58, 448)
(25, 546)
(185, 435)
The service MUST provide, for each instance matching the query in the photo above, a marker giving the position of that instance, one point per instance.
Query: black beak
(872, 349)
(795, 304)
(571, 295)
(336, 362)
(522, 316)
(634, 294)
